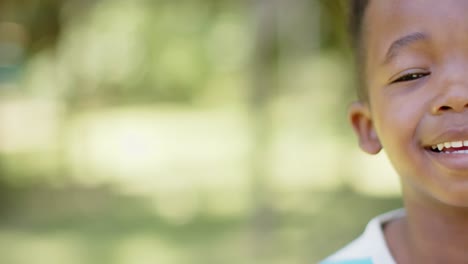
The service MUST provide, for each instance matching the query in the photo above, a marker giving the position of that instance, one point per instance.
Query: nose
(454, 99)
(451, 90)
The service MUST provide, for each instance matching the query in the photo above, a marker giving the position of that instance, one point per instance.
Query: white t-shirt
(370, 247)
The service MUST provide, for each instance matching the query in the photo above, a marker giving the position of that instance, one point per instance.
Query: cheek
(396, 121)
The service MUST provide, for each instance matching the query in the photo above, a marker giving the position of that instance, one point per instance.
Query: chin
(456, 199)
(452, 198)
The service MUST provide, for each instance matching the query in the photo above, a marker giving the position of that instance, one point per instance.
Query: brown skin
(418, 97)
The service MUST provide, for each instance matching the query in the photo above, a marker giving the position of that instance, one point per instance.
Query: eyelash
(411, 77)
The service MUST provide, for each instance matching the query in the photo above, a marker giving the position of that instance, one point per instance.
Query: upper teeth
(454, 144)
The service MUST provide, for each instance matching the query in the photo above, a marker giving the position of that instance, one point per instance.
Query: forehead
(387, 20)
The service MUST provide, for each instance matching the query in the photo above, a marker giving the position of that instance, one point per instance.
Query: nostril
(445, 108)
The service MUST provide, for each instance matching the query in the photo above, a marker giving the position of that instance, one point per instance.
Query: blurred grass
(98, 226)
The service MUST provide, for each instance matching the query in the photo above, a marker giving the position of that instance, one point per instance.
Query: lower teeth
(456, 152)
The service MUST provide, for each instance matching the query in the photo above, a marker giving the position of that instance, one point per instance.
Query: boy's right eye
(411, 76)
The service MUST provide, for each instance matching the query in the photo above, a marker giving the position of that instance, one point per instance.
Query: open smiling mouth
(454, 147)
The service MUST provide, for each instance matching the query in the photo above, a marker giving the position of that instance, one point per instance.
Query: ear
(360, 118)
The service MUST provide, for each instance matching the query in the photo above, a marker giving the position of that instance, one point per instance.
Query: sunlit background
(171, 132)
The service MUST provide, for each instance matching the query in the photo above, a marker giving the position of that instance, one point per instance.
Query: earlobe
(361, 121)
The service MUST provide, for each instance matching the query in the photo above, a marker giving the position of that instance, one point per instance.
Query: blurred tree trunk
(264, 83)
(285, 31)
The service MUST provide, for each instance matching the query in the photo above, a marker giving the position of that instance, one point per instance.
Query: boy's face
(416, 71)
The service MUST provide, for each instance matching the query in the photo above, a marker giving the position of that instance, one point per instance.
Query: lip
(448, 135)
(451, 161)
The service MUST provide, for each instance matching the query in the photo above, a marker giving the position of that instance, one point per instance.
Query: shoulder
(370, 247)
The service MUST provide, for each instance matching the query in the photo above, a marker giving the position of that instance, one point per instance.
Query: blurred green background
(189, 131)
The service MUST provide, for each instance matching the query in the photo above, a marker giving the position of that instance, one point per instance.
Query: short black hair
(357, 10)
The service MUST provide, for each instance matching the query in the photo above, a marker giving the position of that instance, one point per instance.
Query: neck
(430, 233)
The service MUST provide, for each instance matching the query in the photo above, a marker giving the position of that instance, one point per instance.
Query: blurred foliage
(192, 131)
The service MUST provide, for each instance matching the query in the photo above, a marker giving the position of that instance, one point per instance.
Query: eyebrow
(403, 42)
